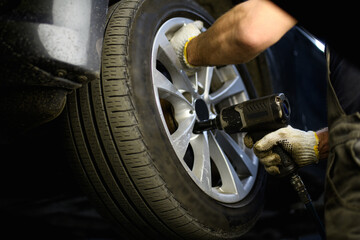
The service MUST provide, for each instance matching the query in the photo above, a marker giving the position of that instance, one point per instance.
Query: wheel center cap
(202, 111)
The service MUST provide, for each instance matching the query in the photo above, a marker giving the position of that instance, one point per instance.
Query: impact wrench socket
(259, 117)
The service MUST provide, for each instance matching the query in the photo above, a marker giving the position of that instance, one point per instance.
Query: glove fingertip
(266, 143)
(260, 146)
(199, 24)
(273, 170)
(248, 141)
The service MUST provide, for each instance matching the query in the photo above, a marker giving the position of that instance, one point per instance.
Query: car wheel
(132, 133)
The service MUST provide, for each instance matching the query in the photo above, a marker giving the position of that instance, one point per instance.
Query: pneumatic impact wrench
(259, 117)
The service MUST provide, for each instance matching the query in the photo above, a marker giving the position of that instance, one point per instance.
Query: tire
(123, 131)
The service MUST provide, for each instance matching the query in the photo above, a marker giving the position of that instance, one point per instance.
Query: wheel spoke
(202, 166)
(239, 159)
(167, 56)
(180, 139)
(230, 181)
(230, 88)
(167, 53)
(204, 78)
(168, 91)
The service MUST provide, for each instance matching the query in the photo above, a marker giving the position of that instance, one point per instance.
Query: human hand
(180, 40)
(302, 147)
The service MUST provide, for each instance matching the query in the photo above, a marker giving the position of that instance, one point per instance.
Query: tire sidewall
(147, 20)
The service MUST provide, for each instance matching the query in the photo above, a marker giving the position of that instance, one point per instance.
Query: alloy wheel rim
(219, 164)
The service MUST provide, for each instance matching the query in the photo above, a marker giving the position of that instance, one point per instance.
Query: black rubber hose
(311, 210)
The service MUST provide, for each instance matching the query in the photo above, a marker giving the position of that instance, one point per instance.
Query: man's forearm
(216, 46)
(240, 34)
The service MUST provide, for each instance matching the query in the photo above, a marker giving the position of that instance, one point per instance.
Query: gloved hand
(302, 147)
(180, 40)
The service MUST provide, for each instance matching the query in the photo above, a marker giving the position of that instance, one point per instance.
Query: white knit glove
(180, 40)
(302, 147)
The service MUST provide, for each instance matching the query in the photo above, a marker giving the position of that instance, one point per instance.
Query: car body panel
(47, 48)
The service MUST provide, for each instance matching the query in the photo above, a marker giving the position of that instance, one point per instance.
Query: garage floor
(40, 198)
